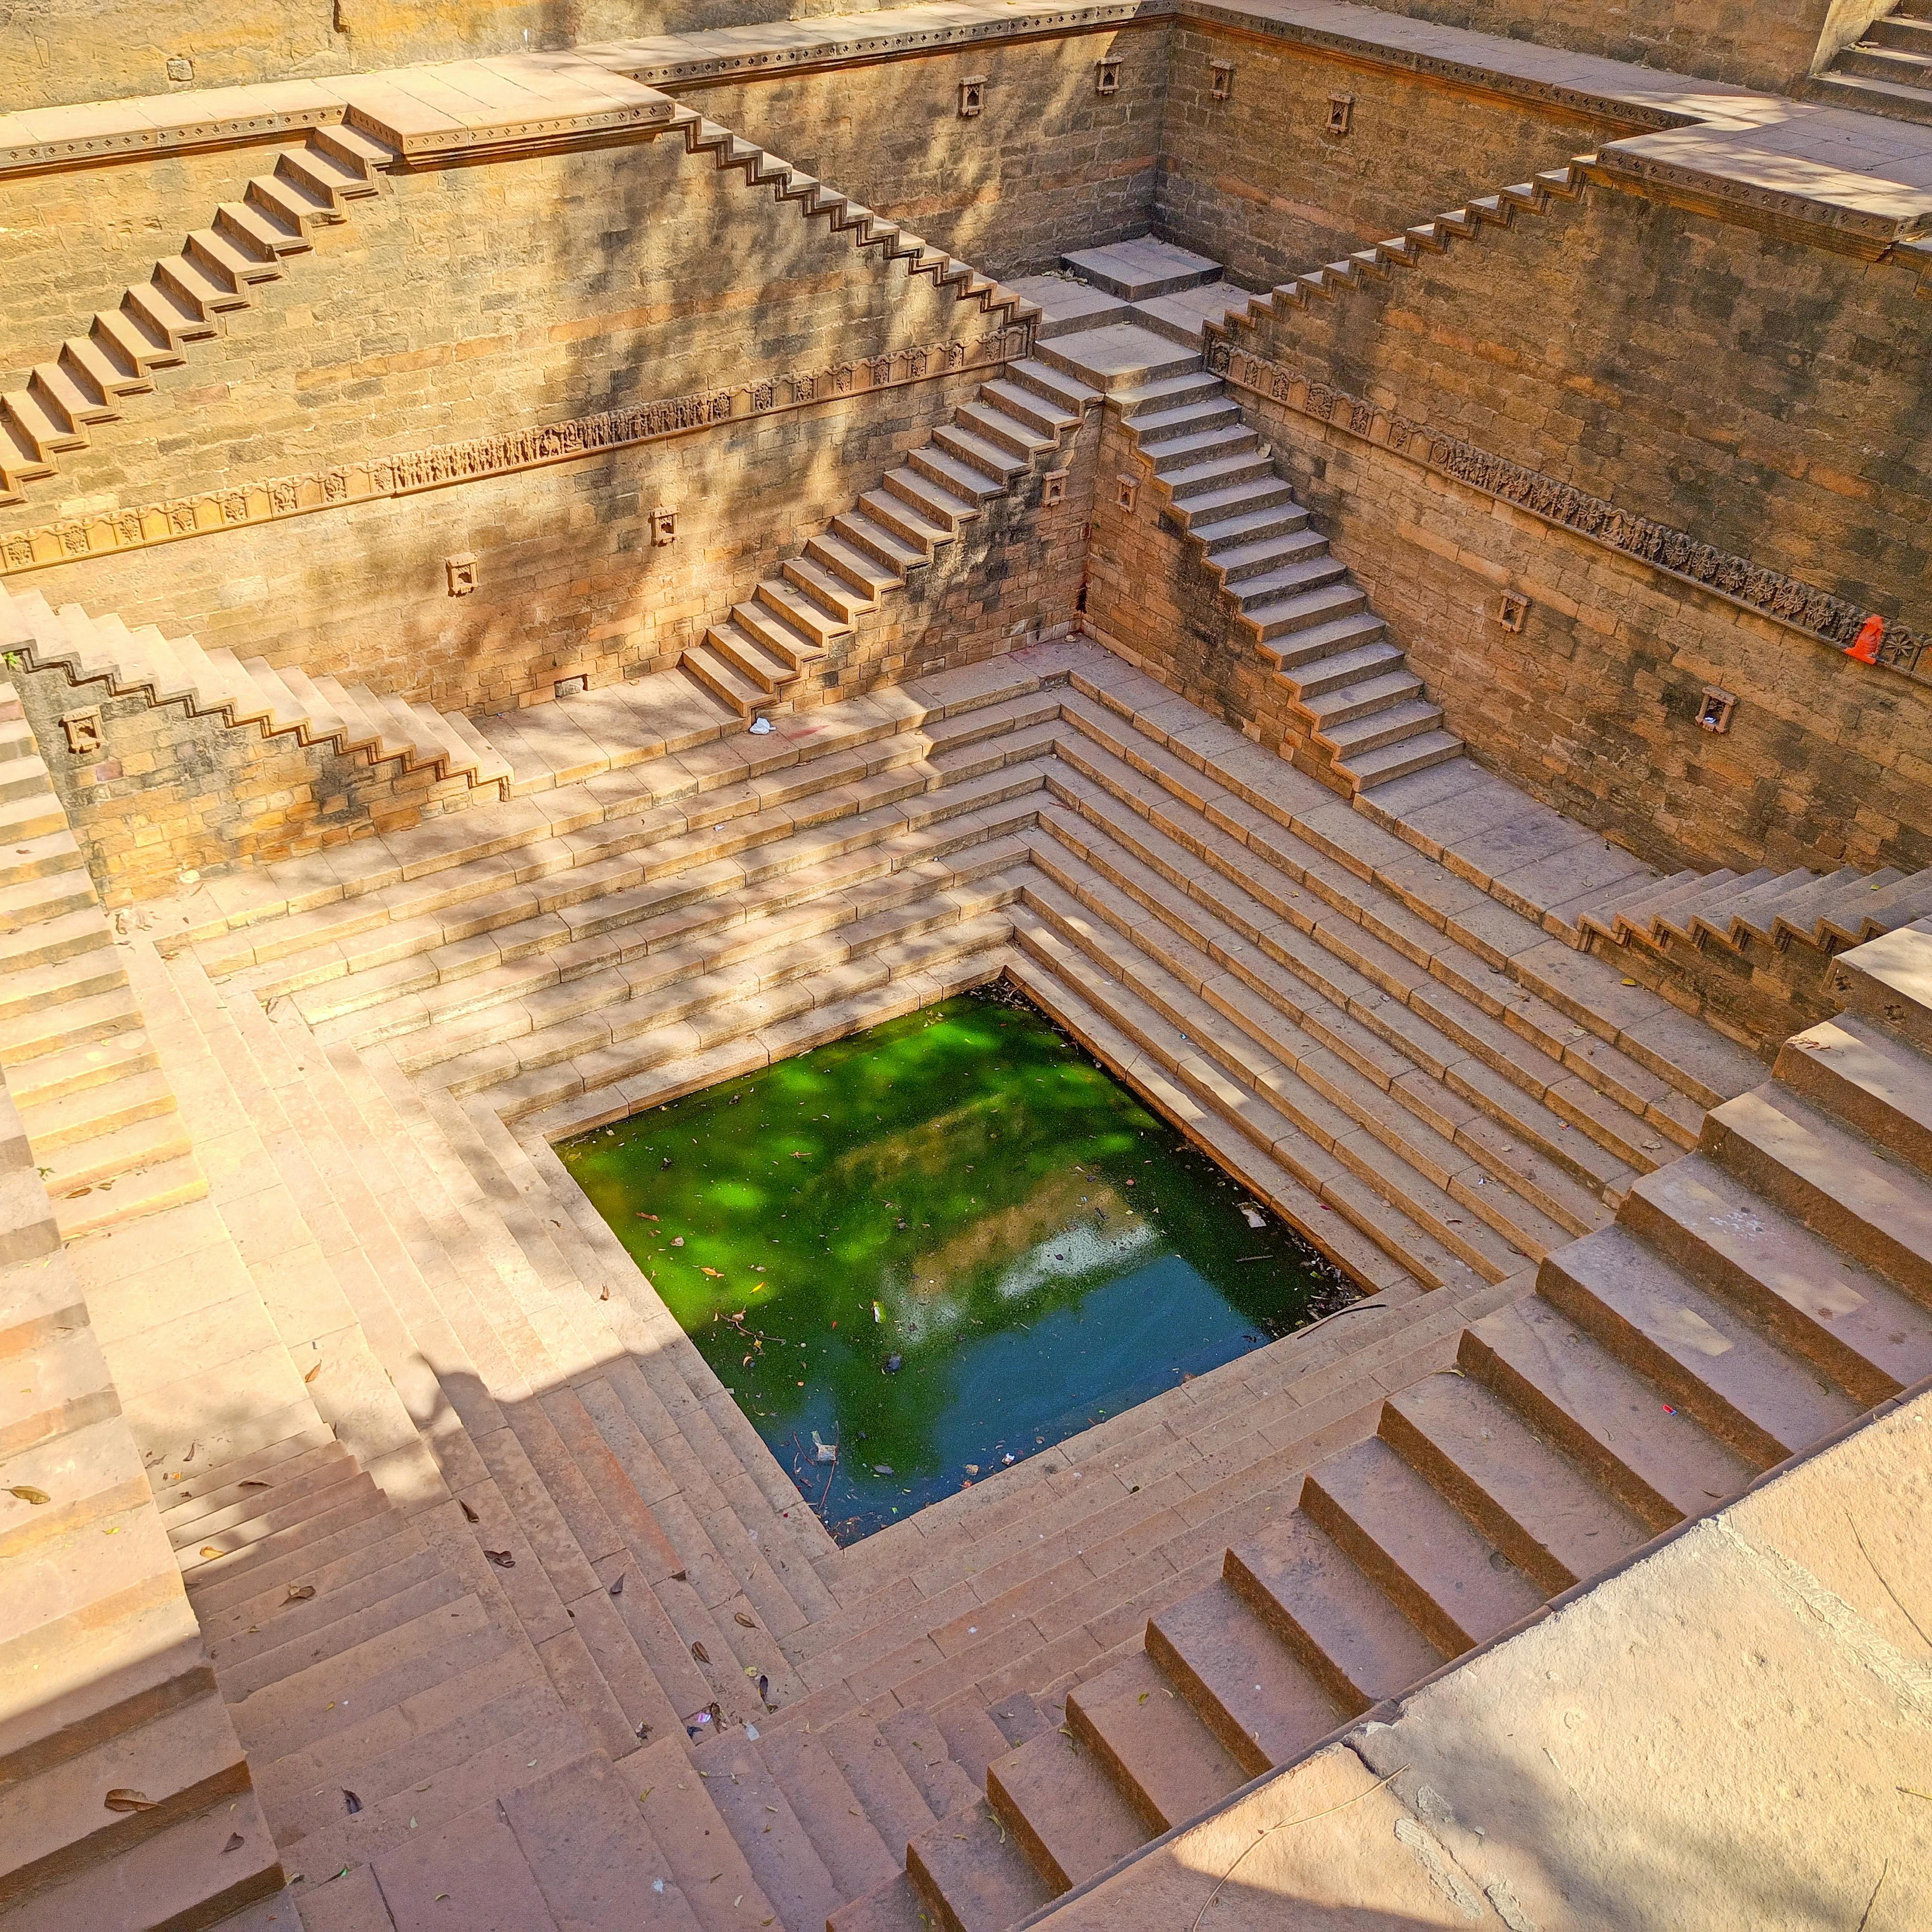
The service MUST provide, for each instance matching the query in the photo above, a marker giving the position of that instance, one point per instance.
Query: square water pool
(940, 1246)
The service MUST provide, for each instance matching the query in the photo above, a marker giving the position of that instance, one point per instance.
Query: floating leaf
(716, 1274)
(469, 1515)
(122, 1799)
(300, 1593)
(698, 1651)
(738, 1617)
(501, 1559)
(349, 1799)
(28, 1493)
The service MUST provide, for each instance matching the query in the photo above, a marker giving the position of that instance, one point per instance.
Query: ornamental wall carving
(106, 532)
(1770, 593)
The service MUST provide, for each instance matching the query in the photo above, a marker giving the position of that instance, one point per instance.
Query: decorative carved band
(1770, 593)
(106, 531)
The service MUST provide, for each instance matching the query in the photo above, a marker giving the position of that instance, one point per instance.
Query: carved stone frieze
(1769, 593)
(242, 506)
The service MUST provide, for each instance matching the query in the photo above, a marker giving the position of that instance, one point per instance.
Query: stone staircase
(1413, 246)
(247, 694)
(1125, 327)
(93, 1102)
(183, 301)
(761, 169)
(1753, 951)
(991, 445)
(967, 1714)
(1888, 69)
(1750, 1303)
(125, 1798)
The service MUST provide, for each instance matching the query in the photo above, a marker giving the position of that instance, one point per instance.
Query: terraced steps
(183, 300)
(351, 721)
(1268, 964)
(1887, 71)
(1366, 718)
(105, 1687)
(99, 1115)
(750, 662)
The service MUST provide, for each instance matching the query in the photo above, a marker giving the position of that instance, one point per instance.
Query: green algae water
(942, 1245)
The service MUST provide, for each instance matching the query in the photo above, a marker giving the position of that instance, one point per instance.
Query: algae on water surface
(943, 1245)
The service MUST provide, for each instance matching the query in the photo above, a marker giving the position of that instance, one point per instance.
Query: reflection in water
(942, 1245)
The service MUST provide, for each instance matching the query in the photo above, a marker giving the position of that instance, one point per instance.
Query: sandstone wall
(1767, 398)
(1767, 44)
(1049, 163)
(463, 302)
(1257, 181)
(1592, 705)
(54, 52)
(175, 795)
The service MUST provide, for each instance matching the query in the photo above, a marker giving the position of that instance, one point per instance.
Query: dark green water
(944, 1245)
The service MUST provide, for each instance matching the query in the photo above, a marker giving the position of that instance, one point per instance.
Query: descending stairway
(1888, 69)
(767, 643)
(1367, 718)
(183, 301)
(1752, 951)
(93, 1102)
(1750, 1303)
(1436, 1089)
(125, 1798)
(846, 216)
(351, 720)
(1411, 247)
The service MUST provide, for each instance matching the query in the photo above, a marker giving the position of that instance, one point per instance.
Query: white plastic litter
(1253, 1216)
(823, 1452)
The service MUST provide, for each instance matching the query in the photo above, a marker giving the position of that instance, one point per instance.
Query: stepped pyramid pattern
(1128, 327)
(351, 720)
(184, 300)
(602, 1588)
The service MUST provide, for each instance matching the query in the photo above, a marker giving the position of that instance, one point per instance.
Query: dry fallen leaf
(313, 1373)
(236, 1842)
(469, 1515)
(698, 1651)
(738, 1617)
(501, 1559)
(252, 1483)
(349, 1799)
(212, 1549)
(617, 1588)
(300, 1593)
(122, 1799)
(28, 1494)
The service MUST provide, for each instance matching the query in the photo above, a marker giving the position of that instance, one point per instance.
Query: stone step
(1530, 1502)
(1343, 1627)
(70, 1070)
(876, 1778)
(61, 1025)
(971, 1871)
(1164, 1758)
(1867, 1076)
(1870, 1339)
(1764, 1402)
(914, 1737)
(1875, 1209)
(855, 1856)
(1422, 1555)
(593, 1859)
(779, 1852)
(1058, 1798)
(1398, 759)
(709, 1869)
(1280, 1107)
(194, 1517)
(1888, 981)
(1244, 1683)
